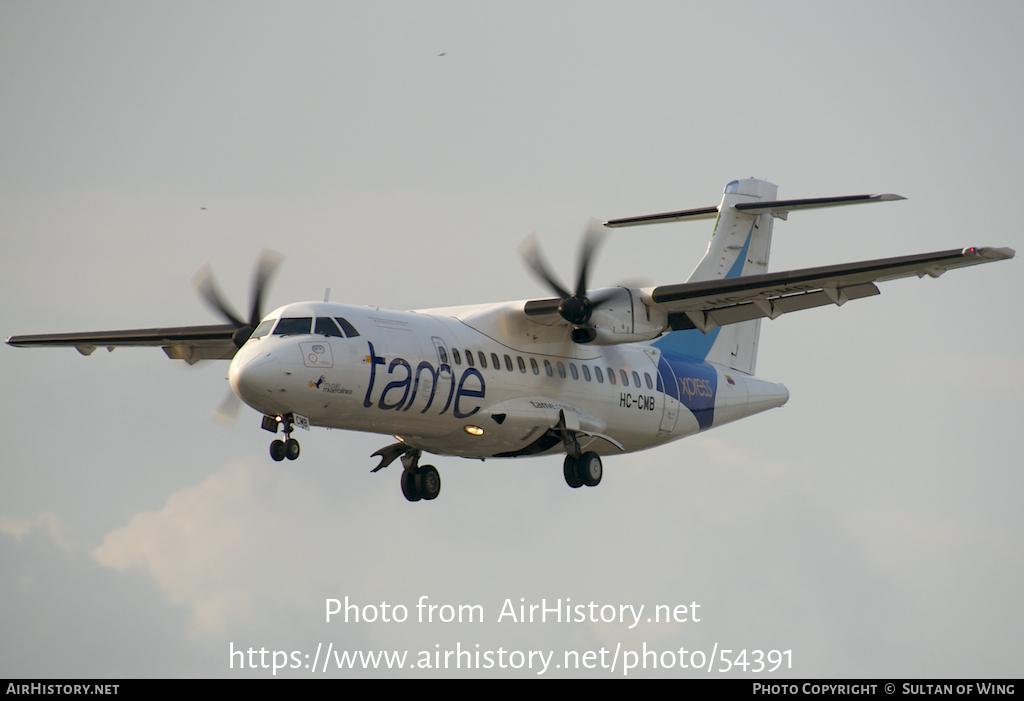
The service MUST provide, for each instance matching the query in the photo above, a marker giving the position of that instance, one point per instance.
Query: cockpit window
(290, 327)
(732, 187)
(264, 328)
(325, 326)
(348, 328)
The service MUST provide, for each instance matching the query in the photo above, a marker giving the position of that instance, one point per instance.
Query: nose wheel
(289, 447)
(279, 450)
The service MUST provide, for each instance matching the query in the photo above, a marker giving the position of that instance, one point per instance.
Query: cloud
(47, 522)
(63, 615)
(198, 543)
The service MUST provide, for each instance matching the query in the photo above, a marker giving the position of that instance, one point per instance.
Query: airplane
(587, 373)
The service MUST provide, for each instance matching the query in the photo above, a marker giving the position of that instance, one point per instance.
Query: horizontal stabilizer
(685, 214)
(777, 208)
(781, 208)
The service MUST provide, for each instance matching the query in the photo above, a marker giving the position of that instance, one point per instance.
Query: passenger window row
(627, 379)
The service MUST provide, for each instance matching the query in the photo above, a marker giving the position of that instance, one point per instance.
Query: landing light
(474, 430)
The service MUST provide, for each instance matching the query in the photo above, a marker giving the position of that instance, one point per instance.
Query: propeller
(207, 288)
(575, 307)
(227, 412)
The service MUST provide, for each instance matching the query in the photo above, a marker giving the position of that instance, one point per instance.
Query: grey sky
(872, 525)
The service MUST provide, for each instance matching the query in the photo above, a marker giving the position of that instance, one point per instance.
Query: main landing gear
(584, 470)
(579, 468)
(289, 447)
(421, 483)
(418, 482)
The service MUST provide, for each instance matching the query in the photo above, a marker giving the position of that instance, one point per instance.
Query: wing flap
(705, 305)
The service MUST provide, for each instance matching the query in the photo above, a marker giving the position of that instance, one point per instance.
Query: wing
(705, 305)
(188, 343)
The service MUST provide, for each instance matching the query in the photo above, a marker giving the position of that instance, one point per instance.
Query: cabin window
(586, 373)
(611, 376)
(647, 379)
(508, 364)
(291, 327)
(598, 374)
(469, 358)
(348, 328)
(574, 371)
(458, 358)
(625, 378)
(522, 365)
(533, 366)
(264, 328)
(495, 363)
(547, 369)
(636, 379)
(443, 354)
(483, 359)
(561, 369)
(326, 327)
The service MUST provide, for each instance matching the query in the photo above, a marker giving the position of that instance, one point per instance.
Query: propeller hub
(241, 335)
(575, 310)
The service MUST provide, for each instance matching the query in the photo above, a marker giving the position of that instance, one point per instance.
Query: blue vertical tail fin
(740, 245)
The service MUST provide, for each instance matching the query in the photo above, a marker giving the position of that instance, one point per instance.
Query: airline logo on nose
(329, 387)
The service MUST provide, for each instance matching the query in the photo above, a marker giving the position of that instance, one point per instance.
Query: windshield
(288, 327)
(264, 328)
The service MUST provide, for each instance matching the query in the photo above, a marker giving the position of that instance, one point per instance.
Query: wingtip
(890, 197)
(992, 253)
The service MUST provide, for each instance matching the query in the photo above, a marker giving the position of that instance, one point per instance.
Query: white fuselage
(467, 382)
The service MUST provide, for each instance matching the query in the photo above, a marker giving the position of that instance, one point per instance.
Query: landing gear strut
(289, 447)
(579, 468)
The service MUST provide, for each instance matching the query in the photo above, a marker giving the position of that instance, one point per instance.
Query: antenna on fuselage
(327, 294)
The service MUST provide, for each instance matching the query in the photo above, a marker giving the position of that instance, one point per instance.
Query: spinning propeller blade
(207, 288)
(574, 308)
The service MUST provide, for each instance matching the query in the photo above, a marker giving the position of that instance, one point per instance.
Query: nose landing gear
(289, 447)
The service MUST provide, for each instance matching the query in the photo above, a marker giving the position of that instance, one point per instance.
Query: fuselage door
(666, 379)
(444, 359)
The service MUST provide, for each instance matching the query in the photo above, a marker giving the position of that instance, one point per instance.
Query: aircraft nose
(256, 379)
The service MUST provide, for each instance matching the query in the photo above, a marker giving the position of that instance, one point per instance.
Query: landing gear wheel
(572, 473)
(409, 487)
(429, 482)
(291, 449)
(277, 450)
(591, 469)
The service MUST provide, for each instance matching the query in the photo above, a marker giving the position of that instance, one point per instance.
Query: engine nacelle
(623, 318)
